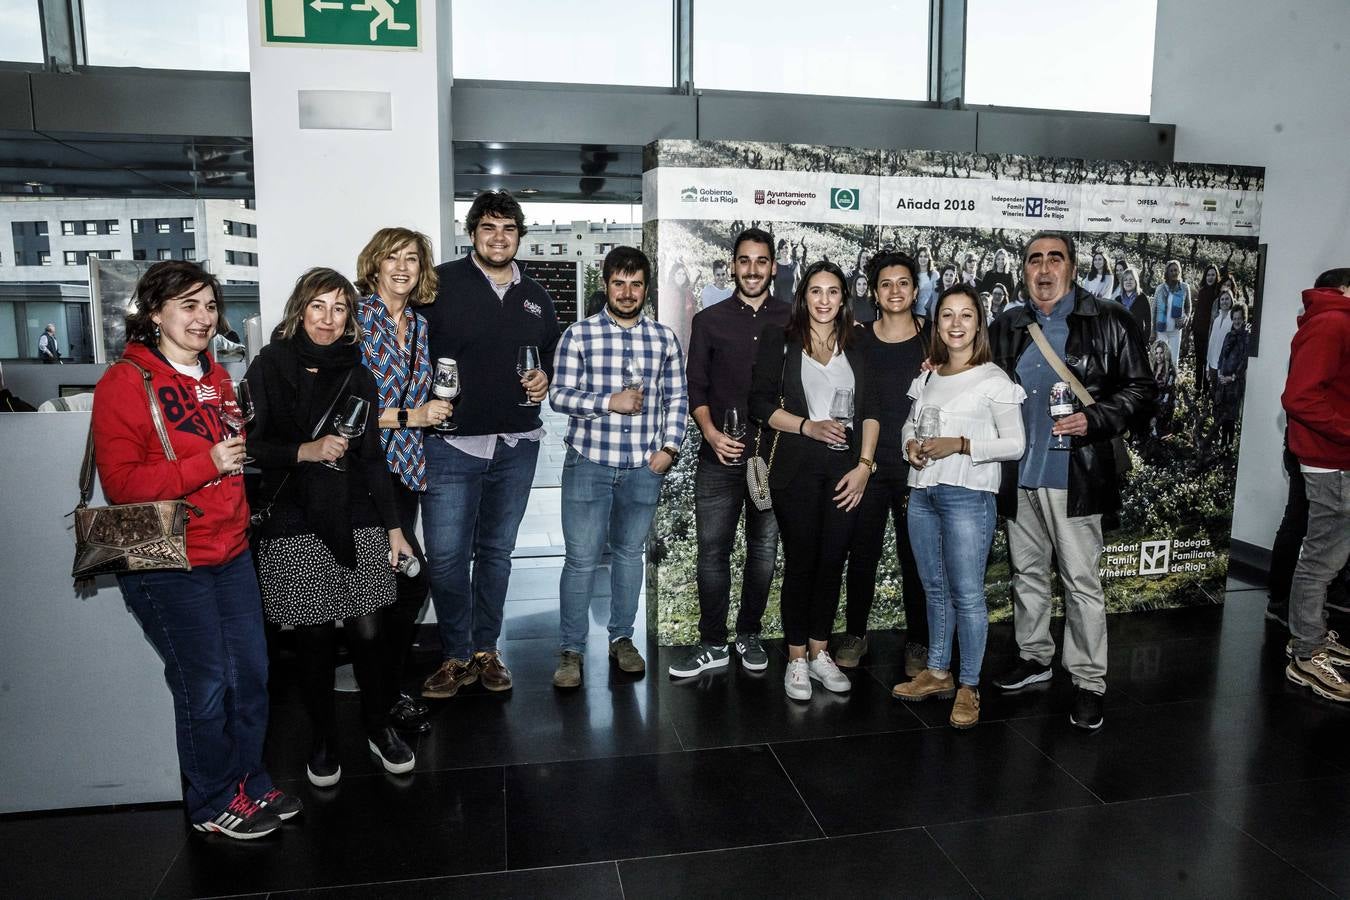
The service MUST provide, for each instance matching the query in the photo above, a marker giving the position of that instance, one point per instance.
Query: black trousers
(887, 496)
(317, 648)
(399, 619)
(816, 536)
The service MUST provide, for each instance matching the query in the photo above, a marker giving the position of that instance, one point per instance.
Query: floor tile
(877, 782)
(730, 706)
(533, 661)
(596, 881)
(1306, 823)
(1168, 671)
(365, 829)
(599, 809)
(1172, 847)
(1173, 749)
(124, 853)
(891, 863)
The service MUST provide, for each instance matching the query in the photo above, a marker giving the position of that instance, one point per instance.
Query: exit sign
(375, 24)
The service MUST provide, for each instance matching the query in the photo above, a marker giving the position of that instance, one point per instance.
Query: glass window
(38, 314)
(9, 331)
(845, 48)
(164, 253)
(602, 42)
(41, 228)
(71, 258)
(190, 253)
(68, 228)
(189, 225)
(44, 258)
(1118, 34)
(161, 226)
(20, 31)
(209, 35)
(135, 226)
(91, 228)
(114, 226)
(138, 253)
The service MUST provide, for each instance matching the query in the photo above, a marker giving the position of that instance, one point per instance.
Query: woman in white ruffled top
(965, 420)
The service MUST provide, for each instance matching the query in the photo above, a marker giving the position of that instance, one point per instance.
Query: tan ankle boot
(966, 709)
(928, 683)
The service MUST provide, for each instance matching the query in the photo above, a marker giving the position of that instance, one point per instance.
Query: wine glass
(445, 386)
(733, 426)
(527, 361)
(1061, 405)
(633, 377)
(841, 410)
(350, 422)
(929, 426)
(238, 411)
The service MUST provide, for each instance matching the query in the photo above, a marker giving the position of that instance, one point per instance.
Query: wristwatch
(674, 453)
(402, 417)
(870, 463)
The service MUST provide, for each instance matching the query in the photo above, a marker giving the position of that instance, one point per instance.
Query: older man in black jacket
(1054, 497)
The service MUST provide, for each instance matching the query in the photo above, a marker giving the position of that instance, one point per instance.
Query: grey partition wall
(85, 716)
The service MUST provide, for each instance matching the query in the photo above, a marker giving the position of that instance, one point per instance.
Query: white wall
(1266, 84)
(322, 193)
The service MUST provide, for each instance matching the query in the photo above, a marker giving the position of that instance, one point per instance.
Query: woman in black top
(815, 489)
(896, 346)
(331, 537)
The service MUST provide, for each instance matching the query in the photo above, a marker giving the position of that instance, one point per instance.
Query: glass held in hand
(733, 426)
(1061, 405)
(633, 377)
(238, 411)
(445, 386)
(350, 422)
(929, 426)
(841, 410)
(527, 361)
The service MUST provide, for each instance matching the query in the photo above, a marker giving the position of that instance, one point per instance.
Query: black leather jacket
(1105, 350)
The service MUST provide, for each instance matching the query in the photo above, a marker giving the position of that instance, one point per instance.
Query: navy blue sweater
(469, 324)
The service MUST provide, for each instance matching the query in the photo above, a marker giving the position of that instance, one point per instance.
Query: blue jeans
(951, 529)
(603, 505)
(207, 626)
(471, 512)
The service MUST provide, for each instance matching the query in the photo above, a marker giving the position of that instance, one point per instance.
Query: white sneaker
(824, 670)
(797, 681)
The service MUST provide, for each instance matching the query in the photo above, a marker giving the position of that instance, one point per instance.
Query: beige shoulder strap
(1059, 366)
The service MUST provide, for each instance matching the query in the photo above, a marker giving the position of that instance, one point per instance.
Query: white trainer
(824, 670)
(797, 681)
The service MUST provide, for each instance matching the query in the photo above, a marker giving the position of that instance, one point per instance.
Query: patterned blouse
(382, 355)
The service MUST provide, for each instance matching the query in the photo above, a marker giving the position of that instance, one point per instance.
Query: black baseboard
(1248, 561)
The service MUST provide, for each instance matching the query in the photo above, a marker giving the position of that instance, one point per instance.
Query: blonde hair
(386, 241)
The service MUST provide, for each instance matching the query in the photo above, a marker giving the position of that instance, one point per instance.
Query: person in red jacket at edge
(1317, 405)
(206, 623)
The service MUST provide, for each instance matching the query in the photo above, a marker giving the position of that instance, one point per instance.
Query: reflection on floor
(1212, 777)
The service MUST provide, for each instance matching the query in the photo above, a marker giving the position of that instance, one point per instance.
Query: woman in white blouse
(1099, 282)
(966, 418)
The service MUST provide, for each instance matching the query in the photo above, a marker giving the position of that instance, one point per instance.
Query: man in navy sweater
(479, 476)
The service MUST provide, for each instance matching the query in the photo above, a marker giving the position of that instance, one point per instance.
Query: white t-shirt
(193, 371)
(820, 382)
(982, 404)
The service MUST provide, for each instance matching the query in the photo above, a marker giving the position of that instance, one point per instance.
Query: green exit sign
(376, 24)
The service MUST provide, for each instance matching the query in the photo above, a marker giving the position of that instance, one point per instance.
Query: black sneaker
(395, 755)
(753, 657)
(700, 658)
(283, 806)
(1087, 710)
(242, 820)
(323, 768)
(1027, 671)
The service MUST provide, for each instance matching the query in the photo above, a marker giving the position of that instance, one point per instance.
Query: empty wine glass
(733, 426)
(238, 411)
(445, 386)
(633, 377)
(350, 422)
(527, 361)
(929, 426)
(1061, 405)
(841, 410)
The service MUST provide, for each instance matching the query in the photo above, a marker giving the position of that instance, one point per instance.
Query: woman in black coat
(815, 488)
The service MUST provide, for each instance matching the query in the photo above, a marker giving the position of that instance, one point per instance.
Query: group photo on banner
(1176, 244)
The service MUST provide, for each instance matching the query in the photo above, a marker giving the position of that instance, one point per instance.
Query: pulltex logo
(689, 195)
(844, 198)
(1160, 221)
(1035, 207)
(1155, 557)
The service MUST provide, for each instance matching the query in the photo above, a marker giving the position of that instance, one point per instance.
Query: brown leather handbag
(129, 537)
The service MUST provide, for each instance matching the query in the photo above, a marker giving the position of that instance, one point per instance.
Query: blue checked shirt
(589, 367)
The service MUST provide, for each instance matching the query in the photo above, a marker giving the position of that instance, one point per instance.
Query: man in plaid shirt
(619, 375)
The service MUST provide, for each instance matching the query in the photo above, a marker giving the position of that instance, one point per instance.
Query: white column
(322, 192)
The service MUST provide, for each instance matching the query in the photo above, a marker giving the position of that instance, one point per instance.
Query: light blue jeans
(950, 529)
(603, 505)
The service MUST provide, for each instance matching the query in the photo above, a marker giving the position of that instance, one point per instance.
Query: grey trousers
(1325, 550)
(1043, 528)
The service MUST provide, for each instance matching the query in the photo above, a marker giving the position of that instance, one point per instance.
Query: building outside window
(135, 226)
(164, 253)
(114, 226)
(189, 225)
(91, 228)
(138, 254)
(189, 254)
(44, 258)
(41, 228)
(67, 228)
(161, 226)
(71, 257)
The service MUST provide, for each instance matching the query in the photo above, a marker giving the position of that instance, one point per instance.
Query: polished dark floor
(1213, 777)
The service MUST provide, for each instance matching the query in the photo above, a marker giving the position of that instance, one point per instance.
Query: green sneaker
(568, 673)
(850, 651)
(626, 655)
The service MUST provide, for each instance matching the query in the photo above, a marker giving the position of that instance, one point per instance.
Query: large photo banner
(1175, 243)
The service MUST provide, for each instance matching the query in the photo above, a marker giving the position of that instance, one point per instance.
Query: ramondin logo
(689, 195)
(844, 198)
(1155, 557)
(1035, 208)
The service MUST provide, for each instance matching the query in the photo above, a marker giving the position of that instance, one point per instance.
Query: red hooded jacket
(1317, 392)
(132, 466)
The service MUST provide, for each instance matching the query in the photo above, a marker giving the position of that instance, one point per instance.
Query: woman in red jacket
(206, 623)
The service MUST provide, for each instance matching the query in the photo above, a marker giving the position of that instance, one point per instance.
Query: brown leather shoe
(491, 670)
(627, 656)
(926, 684)
(448, 679)
(966, 709)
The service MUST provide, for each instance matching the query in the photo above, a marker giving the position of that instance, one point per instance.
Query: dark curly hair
(162, 282)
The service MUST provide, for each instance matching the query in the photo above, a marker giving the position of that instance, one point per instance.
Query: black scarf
(338, 355)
